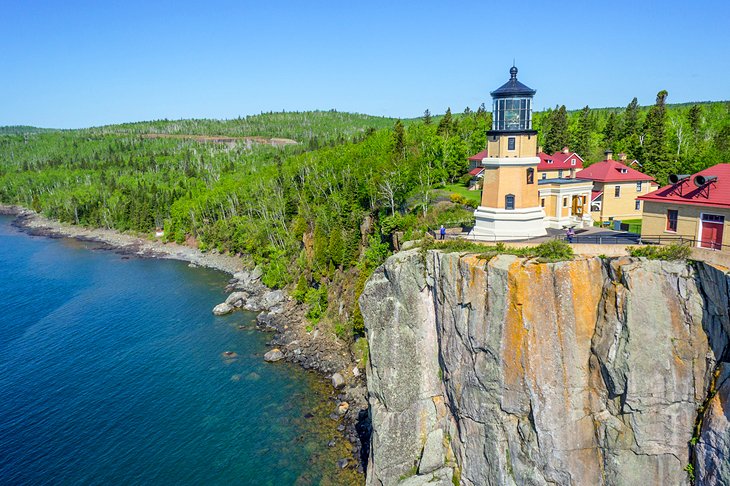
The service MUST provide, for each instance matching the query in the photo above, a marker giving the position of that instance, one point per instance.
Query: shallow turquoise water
(111, 373)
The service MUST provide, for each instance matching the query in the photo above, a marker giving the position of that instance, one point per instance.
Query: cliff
(509, 371)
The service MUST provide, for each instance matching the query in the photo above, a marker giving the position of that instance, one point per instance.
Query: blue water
(111, 372)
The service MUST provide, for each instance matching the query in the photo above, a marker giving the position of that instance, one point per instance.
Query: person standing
(442, 232)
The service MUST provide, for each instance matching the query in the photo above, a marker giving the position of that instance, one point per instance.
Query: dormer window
(549, 161)
(572, 161)
(624, 171)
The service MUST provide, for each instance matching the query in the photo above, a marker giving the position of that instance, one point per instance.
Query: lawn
(634, 225)
(463, 191)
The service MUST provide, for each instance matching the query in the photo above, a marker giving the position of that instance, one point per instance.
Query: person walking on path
(570, 234)
(442, 232)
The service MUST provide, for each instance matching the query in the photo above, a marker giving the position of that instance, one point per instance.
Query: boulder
(256, 274)
(338, 381)
(222, 309)
(342, 408)
(271, 299)
(273, 355)
(236, 299)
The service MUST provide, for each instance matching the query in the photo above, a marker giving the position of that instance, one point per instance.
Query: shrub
(457, 198)
(554, 250)
(465, 179)
(660, 252)
(316, 299)
(300, 291)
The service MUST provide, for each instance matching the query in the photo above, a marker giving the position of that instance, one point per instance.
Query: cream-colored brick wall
(654, 221)
(525, 146)
(624, 206)
(500, 181)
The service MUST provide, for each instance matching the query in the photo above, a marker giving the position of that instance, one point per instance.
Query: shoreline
(38, 225)
(310, 350)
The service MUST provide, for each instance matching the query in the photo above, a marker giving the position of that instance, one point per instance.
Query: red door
(712, 227)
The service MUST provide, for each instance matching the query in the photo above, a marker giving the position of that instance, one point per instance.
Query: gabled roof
(481, 155)
(476, 172)
(595, 195)
(559, 160)
(512, 87)
(716, 194)
(612, 171)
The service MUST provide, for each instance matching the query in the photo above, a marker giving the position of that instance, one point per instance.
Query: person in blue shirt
(442, 232)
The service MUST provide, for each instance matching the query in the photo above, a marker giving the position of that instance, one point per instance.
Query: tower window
(542, 202)
(544, 175)
(530, 175)
(509, 201)
(617, 191)
(511, 143)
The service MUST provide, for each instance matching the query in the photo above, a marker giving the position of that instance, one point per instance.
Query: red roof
(711, 194)
(559, 160)
(612, 171)
(477, 171)
(481, 155)
(595, 195)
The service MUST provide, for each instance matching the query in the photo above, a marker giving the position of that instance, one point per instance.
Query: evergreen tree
(582, 134)
(556, 136)
(336, 247)
(610, 131)
(694, 117)
(446, 124)
(399, 140)
(629, 134)
(427, 117)
(656, 158)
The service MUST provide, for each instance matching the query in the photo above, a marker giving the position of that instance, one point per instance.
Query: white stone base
(514, 224)
(569, 221)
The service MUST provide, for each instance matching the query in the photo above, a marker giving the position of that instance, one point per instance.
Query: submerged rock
(273, 355)
(338, 381)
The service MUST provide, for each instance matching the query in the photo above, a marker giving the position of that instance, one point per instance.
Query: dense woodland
(321, 215)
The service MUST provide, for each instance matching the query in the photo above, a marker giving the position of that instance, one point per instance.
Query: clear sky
(69, 64)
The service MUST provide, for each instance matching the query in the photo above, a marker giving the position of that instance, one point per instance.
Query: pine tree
(336, 247)
(694, 116)
(629, 134)
(656, 158)
(556, 136)
(399, 142)
(610, 131)
(446, 124)
(427, 117)
(582, 135)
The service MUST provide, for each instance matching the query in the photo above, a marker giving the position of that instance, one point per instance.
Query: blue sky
(76, 64)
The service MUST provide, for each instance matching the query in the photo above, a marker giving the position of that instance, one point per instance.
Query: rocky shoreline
(278, 313)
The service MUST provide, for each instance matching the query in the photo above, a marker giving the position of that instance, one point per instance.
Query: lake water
(111, 372)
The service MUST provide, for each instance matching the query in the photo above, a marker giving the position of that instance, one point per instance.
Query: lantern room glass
(512, 114)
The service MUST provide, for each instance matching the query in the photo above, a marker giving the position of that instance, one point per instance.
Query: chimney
(539, 149)
(622, 157)
(609, 154)
(565, 150)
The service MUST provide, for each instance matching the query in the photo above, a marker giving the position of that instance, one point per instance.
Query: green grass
(634, 225)
(463, 191)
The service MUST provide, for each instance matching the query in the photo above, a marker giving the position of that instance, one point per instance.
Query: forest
(320, 215)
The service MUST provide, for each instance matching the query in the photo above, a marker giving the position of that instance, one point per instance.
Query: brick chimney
(565, 150)
(622, 157)
(609, 154)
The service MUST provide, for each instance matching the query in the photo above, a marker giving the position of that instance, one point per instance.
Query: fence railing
(682, 240)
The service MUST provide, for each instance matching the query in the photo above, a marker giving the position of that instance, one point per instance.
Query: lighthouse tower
(510, 208)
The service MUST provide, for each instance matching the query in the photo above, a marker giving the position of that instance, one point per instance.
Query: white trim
(509, 161)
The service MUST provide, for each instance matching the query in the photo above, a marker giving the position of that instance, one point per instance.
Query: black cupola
(512, 106)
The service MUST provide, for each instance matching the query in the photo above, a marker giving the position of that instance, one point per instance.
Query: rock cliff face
(511, 372)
